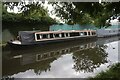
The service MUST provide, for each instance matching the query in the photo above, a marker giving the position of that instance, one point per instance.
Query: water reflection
(89, 59)
(85, 57)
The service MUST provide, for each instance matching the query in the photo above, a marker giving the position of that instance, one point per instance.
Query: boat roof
(47, 32)
(27, 31)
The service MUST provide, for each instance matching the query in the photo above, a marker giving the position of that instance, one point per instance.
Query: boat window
(85, 46)
(93, 33)
(74, 34)
(63, 51)
(88, 33)
(38, 36)
(44, 36)
(67, 50)
(62, 34)
(51, 54)
(57, 53)
(81, 33)
(51, 35)
(45, 56)
(67, 35)
(82, 47)
(85, 33)
(39, 57)
(56, 35)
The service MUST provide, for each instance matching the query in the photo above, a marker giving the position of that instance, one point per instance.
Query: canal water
(70, 59)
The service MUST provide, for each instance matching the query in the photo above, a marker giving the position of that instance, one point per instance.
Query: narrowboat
(113, 30)
(107, 32)
(40, 37)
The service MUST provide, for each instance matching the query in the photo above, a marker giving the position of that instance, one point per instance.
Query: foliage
(85, 61)
(86, 13)
(31, 14)
(70, 12)
(112, 73)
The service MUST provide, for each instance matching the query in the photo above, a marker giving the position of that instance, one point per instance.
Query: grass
(112, 74)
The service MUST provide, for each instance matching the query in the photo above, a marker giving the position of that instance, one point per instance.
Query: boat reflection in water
(86, 57)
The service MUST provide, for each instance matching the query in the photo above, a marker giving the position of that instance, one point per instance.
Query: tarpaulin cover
(72, 27)
(27, 36)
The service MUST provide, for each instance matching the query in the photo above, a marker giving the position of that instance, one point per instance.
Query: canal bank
(111, 73)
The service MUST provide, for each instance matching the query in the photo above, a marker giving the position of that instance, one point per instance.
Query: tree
(32, 12)
(86, 12)
(73, 12)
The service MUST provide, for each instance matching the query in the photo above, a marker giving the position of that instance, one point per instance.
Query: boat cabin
(36, 37)
(50, 35)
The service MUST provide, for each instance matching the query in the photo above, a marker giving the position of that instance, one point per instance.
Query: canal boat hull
(52, 41)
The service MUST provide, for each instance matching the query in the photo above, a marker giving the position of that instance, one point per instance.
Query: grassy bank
(112, 73)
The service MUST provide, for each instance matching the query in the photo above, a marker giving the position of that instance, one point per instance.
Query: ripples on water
(72, 59)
